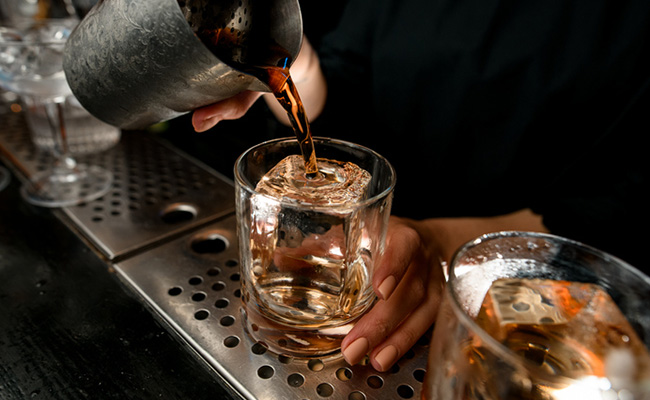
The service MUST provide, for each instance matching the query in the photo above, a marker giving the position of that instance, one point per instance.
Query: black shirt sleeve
(485, 107)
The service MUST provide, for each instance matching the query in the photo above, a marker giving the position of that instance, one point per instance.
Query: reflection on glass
(533, 316)
(31, 65)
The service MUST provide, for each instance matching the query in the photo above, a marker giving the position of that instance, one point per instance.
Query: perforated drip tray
(193, 283)
(157, 192)
(167, 228)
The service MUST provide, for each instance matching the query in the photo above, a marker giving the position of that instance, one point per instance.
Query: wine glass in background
(31, 65)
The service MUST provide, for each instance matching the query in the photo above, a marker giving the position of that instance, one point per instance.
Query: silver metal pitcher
(133, 63)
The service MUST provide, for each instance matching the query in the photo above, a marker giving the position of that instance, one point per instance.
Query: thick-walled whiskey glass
(536, 316)
(307, 268)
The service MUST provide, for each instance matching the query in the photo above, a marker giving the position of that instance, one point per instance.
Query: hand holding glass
(309, 245)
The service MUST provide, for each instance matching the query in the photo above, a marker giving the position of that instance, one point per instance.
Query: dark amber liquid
(270, 65)
(279, 81)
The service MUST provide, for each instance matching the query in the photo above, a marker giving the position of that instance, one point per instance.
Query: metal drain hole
(201, 315)
(198, 296)
(231, 341)
(258, 348)
(418, 374)
(315, 365)
(375, 382)
(218, 286)
(265, 372)
(295, 380)
(227, 320)
(344, 374)
(176, 213)
(175, 291)
(405, 391)
(209, 243)
(357, 396)
(285, 359)
(325, 390)
(221, 303)
(195, 280)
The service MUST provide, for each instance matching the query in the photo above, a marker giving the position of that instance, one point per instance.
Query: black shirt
(488, 106)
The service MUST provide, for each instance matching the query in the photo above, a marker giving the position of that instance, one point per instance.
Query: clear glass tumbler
(306, 268)
(536, 316)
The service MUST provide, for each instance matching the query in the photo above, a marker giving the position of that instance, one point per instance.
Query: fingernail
(356, 350)
(205, 124)
(386, 288)
(386, 357)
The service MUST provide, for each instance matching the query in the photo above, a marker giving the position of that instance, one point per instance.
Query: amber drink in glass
(309, 243)
(536, 316)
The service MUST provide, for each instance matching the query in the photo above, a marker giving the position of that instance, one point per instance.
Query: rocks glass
(536, 316)
(307, 265)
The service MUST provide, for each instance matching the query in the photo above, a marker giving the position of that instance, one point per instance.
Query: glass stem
(54, 112)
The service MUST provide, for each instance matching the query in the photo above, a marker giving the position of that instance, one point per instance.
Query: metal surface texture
(193, 283)
(157, 192)
(133, 63)
(187, 270)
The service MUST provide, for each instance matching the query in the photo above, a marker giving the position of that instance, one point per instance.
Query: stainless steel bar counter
(70, 330)
(136, 295)
(69, 326)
